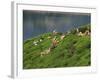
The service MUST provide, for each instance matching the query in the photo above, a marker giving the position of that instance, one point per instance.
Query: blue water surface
(40, 22)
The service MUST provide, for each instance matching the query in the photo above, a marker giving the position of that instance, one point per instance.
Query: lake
(40, 22)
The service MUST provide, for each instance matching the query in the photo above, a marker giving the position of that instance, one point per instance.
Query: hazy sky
(37, 22)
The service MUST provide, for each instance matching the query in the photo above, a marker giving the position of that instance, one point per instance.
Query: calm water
(36, 22)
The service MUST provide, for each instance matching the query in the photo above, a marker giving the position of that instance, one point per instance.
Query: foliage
(72, 51)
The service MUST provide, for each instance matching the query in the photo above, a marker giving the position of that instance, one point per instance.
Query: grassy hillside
(72, 51)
